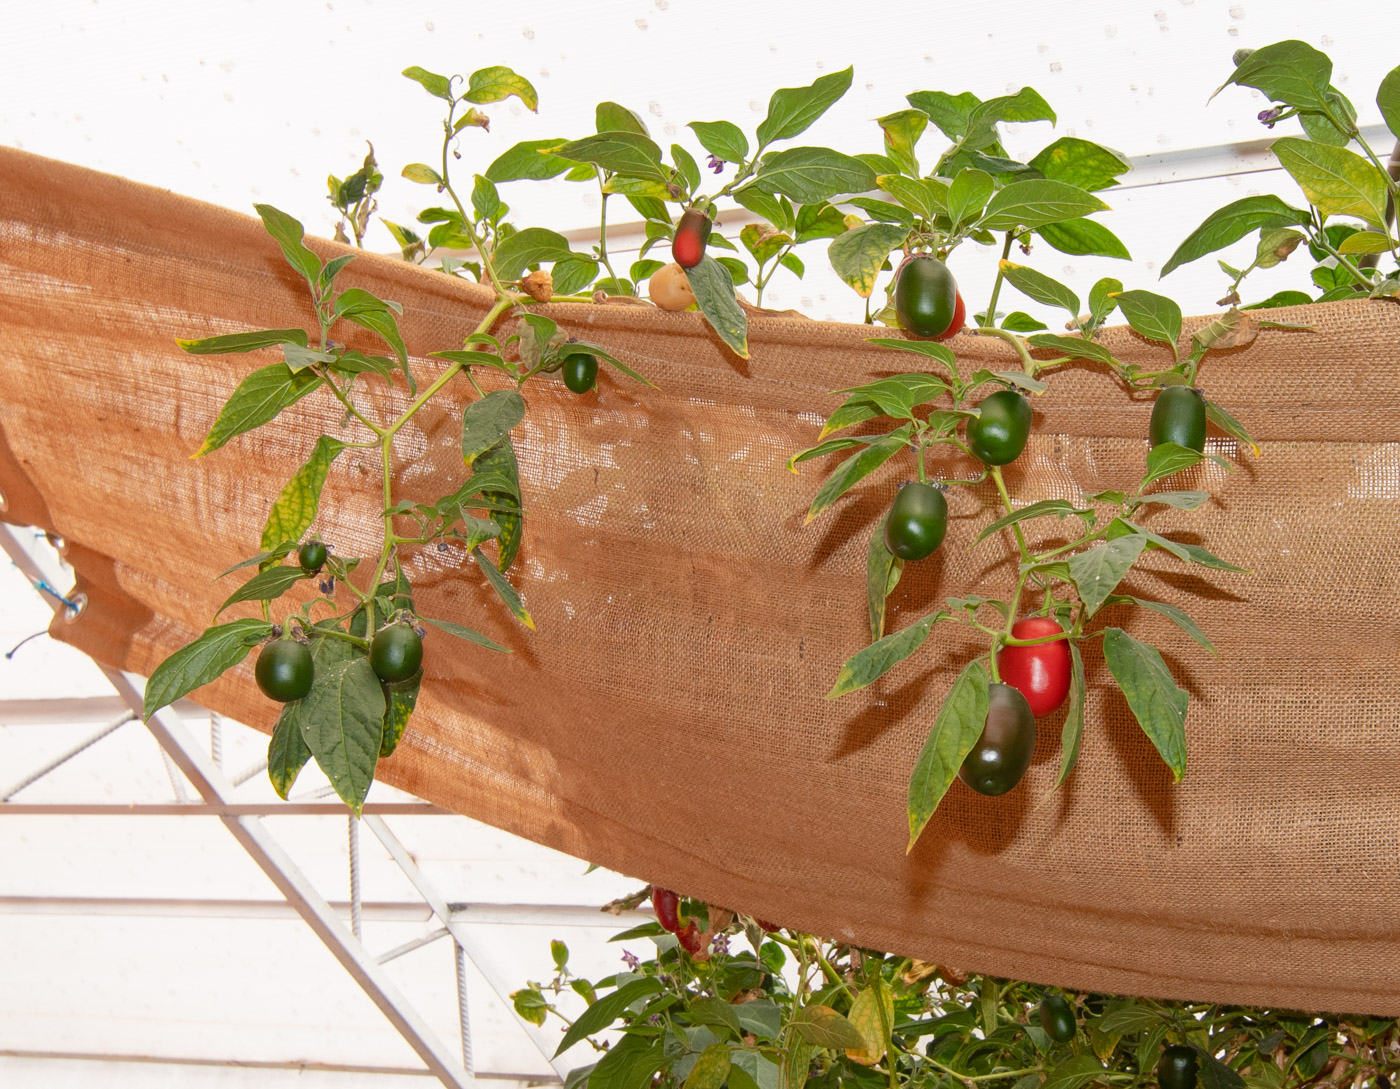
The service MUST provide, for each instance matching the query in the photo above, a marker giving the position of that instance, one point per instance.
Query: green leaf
(872, 1015)
(1128, 1020)
(898, 394)
(266, 585)
(614, 117)
(281, 549)
(1037, 202)
(244, 342)
(1179, 500)
(810, 175)
(469, 634)
(497, 83)
(1153, 316)
(499, 462)
(711, 1069)
(957, 728)
(795, 1065)
(532, 246)
(708, 1010)
(1388, 99)
(1206, 558)
(1073, 730)
(968, 195)
(1153, 696)
(289, 232)
(1040, 287)
(529, 159)
(1229, 224)
(400, 698)
(1074, 347)
(1080, 163)
(1365, 242)
(871, 663)
(257, 400)
(1165, 459)
(504, 590)
(722, 139)
(792, 110)
(1097, 571)
(215, 651)
(486, 201)
(1337, 181)
(1231, 426)
(902, 131)
(573, 273)
(1213, 1074)
(822, 1026)
(605, 1011)
(982, 119)
(422, 174)
(940, 352)
(383, 323)
(298, 358)
(628, 153)
(287, 753)
(1171, 612)
(949, 112)
(688, 167)
(1074, 1073)
(1018, 321)
(488, 420)
(855, 468)
(921, 196)
(434, 84)
(1058, 507)
(296, 507)
(1290, 72)
(859, 254)
(1084, 237)
(342, 718)
(882, 571)
(714, 292)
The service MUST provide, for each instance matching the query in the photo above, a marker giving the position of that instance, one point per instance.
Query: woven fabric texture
(668, 717)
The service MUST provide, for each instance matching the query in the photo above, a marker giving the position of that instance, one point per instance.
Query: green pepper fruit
(1176, 1069)
(1003, 752)
(396, 653)
(1179, 416)
(998, 435)
(283, 670)
(917, 521)
(311, 557)
(581, 372)
(926, 297)
(1057, 1018)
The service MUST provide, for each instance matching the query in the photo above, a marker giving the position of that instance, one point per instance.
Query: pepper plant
(762, 1007)
(346, 662)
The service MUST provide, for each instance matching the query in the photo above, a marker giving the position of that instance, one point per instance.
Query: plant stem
(1006, 502)
(991, 314)
(1029, 365)
(603, 233)
(983, 1077)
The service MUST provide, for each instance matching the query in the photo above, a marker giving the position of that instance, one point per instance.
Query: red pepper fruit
(1040, 673)
(668, 908)
(692, 233)
(765, 924)
(690, 938)
(959, 319)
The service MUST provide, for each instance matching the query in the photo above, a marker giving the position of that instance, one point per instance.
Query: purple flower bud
(1270, 116)
(716, 164)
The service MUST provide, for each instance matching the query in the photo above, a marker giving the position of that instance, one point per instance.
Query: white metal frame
(244, 821)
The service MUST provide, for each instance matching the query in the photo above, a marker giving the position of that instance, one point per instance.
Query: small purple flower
(654, 1019)
(719, 945)
(716, 164)
(1270, 116)
(631, 961)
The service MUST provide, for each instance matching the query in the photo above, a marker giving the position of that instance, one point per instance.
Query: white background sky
(258, 100)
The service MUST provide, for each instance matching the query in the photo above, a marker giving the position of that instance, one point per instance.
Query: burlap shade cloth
(668, 717)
